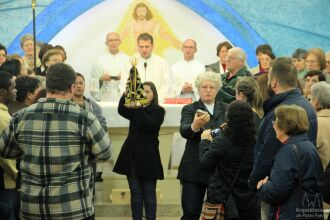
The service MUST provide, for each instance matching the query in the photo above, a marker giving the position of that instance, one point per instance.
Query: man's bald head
(235, 59)
(238, 52)
(113, 41)
(189, 48)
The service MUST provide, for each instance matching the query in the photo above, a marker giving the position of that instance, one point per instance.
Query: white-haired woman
(320, 100)
(206, 113)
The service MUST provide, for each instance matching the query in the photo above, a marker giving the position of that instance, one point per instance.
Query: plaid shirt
(55, 141)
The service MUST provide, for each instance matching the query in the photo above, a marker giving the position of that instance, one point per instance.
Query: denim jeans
(9, 204)
(143, 192)
(192, 200)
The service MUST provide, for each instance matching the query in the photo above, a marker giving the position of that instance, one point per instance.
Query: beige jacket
(9, 166)
(323, 137)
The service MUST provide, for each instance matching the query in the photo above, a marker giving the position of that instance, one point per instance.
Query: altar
(114, 120)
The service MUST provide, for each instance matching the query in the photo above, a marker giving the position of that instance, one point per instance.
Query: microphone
(145, 71)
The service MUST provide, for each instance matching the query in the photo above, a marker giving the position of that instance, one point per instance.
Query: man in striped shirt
(56, 142)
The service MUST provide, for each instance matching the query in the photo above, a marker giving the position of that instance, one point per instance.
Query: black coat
(141, 147)
(190, 168)
(224, 158)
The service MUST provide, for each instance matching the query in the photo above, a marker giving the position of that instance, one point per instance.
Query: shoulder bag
(217, 211)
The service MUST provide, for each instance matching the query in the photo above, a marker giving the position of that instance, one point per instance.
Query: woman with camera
(229, 156)
(206, 113)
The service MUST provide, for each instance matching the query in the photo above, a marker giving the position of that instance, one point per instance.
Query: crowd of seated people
(272, 117)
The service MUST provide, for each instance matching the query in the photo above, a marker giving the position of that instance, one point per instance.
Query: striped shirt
(56, 142)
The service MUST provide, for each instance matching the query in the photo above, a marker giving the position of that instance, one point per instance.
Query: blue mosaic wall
(284, 24)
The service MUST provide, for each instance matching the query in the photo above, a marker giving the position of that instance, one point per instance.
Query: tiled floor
(105, 208)
(128, 218)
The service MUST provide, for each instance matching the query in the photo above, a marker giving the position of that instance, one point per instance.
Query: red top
(224, 66)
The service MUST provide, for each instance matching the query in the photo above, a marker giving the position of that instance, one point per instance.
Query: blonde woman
(27, 45)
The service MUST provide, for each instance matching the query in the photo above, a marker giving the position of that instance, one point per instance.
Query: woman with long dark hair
(247, 90)
(229, 156)
(139, 158)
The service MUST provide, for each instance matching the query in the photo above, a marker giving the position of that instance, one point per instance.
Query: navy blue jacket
(267, 145)
(282, 190)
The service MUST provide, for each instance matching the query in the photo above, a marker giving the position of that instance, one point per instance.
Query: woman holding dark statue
(139, 158)
(206, 113)
(229, 156)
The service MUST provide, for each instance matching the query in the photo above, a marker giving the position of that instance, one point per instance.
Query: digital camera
(201, 112)
(215, 132)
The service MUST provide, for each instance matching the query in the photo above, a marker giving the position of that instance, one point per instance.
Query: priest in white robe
(152, 67)
(185, 71)
(107, 79)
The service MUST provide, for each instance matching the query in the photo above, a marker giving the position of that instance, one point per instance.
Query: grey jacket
(96, 109)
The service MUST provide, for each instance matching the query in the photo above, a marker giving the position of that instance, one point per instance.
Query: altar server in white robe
(109, 70)
(185, 71)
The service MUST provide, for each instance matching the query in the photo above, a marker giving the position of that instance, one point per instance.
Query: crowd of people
(264, 163)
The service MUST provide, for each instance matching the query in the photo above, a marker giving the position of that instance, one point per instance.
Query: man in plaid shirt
(56, 141)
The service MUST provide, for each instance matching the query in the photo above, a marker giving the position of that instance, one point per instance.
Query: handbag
(212, 211)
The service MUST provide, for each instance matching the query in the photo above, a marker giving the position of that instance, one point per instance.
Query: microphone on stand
(145, 71)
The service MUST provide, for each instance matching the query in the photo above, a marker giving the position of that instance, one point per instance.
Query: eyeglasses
(311, 80)
(311, 61)
(231, 58)
(208, 87)
(55, 61)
